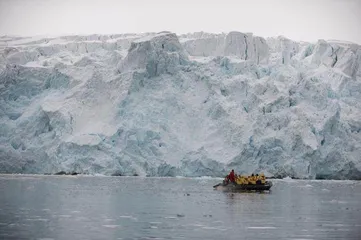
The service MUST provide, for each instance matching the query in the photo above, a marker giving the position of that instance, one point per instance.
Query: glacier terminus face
(198, 104)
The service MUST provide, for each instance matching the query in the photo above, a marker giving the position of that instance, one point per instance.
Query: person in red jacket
(232, 177)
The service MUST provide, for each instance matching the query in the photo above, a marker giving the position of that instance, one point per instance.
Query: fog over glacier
(198, 104)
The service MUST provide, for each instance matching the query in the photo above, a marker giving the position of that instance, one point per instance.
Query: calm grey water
(84, 207)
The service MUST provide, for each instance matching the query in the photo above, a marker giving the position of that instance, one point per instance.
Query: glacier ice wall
(198, 104)
(244, 46)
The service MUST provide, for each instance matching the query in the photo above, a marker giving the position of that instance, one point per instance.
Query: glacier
(197, 104)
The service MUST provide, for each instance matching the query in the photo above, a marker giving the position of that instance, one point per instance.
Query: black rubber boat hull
(249, 187)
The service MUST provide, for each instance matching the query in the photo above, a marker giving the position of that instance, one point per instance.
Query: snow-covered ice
(197, 104)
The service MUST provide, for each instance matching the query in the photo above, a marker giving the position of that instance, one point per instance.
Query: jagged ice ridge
(198, 104)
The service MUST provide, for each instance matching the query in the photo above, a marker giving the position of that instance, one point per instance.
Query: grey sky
(307, 20)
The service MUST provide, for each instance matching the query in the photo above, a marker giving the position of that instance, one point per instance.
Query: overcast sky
(306, 20)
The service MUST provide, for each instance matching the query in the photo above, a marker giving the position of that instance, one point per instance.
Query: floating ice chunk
(261, 227)
(111, 226)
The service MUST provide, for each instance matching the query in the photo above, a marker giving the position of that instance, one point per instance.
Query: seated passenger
(245, 180)
(239, 180)
(258, 179)
(252, 179)
(263, 178)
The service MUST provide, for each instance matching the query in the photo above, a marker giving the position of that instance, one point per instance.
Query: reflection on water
(84, 207)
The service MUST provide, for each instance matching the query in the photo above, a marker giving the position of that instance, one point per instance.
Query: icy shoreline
(5, 175)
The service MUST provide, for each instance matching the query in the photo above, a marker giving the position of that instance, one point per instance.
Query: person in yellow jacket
(258, 179)
(241, 180)
(252, 179)
(262, 178)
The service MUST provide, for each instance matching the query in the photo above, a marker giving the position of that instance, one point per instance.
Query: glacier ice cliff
(198, 104)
